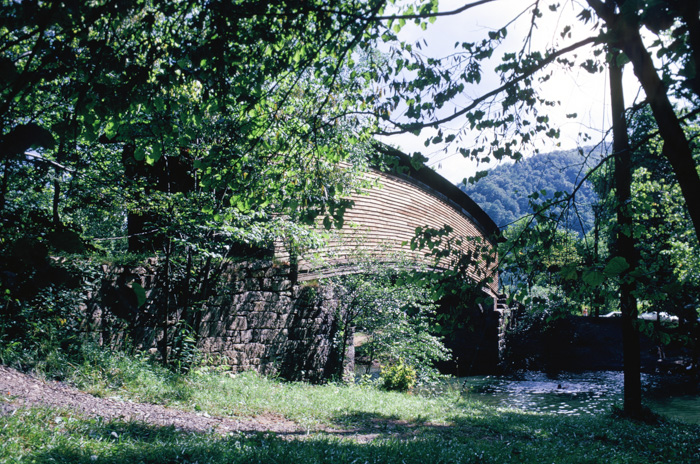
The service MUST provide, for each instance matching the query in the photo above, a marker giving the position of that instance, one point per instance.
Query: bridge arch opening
(384, 220)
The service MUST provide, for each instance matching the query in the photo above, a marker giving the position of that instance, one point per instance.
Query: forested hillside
(505, 192)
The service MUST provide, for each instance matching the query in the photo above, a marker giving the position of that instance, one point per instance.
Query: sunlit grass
(249, 394)
(338, 423)
(44, 435)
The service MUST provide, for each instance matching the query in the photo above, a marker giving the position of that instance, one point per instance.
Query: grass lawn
(341, 424)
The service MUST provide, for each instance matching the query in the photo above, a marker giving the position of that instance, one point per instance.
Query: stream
(583, 393)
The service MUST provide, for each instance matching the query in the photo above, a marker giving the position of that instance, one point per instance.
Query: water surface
(582, 393)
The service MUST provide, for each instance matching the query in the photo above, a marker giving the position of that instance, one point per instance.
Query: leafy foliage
(41, 317)
(399, 377)
(162, 110)
(557, 271)
(195, 131)
(394, 310)
(506, 191)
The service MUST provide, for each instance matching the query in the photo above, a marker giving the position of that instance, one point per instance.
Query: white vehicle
(662, 316)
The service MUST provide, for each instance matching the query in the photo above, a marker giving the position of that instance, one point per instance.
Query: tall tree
(624, 242)
(514, 113)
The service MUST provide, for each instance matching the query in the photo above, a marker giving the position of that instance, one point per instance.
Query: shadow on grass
(520, 436)
(492, 426)
(367, 425)
(502, 436)
(122, 442)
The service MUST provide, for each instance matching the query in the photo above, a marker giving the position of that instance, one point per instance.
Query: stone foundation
(253, 317)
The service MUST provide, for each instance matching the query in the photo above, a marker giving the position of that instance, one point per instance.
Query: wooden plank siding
(385, 217)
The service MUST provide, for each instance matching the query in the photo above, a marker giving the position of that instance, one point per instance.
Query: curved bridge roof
(384, 218)
(431, 181)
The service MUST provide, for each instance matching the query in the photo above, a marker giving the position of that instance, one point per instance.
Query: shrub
(395, 310)
(398, 377)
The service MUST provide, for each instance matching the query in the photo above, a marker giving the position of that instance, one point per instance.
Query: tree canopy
(226, 112)
(505, 192)
(197, 125)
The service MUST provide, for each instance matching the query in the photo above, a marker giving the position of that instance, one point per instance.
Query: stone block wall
(259, 320)
(252, 318)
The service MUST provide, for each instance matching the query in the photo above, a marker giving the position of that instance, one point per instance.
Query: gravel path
(22, 390)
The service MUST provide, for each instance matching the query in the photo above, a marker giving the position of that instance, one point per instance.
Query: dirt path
(22, 390)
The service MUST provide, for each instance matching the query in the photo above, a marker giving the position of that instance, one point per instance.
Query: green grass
(396, 428)
(43, 436)
(249, 394)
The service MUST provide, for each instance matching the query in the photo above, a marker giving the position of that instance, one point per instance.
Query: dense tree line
(506, 191)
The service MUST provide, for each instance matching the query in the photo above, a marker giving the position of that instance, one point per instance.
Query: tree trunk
(676, 146)
(597, 299)
(4, 184)
(56, 201)
(165, 311)
(624, 29)
(624, 245)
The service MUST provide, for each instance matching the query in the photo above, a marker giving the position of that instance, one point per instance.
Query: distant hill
(504, 192)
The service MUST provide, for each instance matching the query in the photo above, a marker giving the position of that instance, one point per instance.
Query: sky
(579, 92)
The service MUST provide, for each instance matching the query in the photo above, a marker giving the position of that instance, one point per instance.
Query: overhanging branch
(475, 103)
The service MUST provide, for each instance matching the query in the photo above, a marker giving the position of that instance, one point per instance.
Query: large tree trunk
(624, 29)
(624, 246)
(676, 146)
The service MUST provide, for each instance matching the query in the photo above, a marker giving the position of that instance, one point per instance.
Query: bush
(398, 377)
(395, 309)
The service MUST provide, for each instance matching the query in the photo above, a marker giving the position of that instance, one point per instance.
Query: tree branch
(454, 12)
(546, 61)
(41, 159)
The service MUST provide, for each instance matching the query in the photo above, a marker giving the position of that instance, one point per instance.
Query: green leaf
(622, 60)
(616, 266)
(154, 154)
(140, 293)
(478, 175)
(111, 129)
(593, 278)
(569, 272)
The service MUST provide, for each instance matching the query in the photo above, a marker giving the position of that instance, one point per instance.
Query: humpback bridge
(260, 315)
(384, 218)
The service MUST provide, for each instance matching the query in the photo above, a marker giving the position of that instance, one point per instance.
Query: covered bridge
(271, 317)
(277, 320)
(383, 219)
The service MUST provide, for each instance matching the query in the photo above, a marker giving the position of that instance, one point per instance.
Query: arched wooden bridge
(384, 218)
